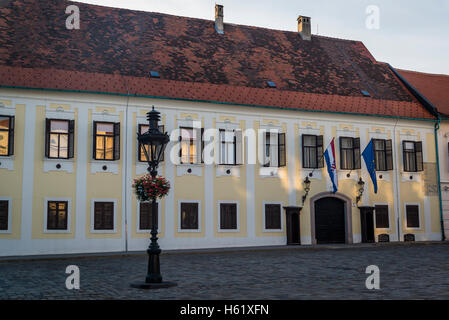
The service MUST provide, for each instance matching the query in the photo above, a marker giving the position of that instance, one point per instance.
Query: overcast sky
(412, 34)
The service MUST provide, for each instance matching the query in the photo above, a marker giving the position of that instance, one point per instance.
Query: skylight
(365, 93)
(271, 84)
(154, 74)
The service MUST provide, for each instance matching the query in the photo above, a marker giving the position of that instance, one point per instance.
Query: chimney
(219, 19)
(304, 28)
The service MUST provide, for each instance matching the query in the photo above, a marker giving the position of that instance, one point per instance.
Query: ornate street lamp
(361, 189)
(307, 183)
(153, 143)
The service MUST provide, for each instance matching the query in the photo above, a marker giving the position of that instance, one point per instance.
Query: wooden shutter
(71, 141)
(162, 129)
(4, 206)
(11, 136)
(356, 146)
(146, 215)
(272, 216)
(319, 151)
(98, 215)
(238, 147)
(117, 141)
(202, 145)
(419, 156)
(282, 161)
(381, 215)
(342, 156)
(47, 137)
(303, 153)
(94, 141)
(228, 216)
(389, 155)
(412, 212)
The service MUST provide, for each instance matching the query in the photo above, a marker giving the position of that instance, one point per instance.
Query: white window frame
(8, 231)
(138, 230)
(92, 215)
(199, 216)
(389, 216)
(419, 215)
(69, 215)
(219, 202)
(263, 216)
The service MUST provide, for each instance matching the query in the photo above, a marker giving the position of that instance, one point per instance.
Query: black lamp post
(307, 183)
(153, 143)
(361, 185)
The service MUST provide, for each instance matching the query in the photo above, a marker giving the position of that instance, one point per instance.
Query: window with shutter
(228, 144)
(228, 216)
(349, 153)
(4, 214)
(272, 216)
(146, 215)
(383, 154)
(412, 212)
(104, 216)
(189, 216)
(141, 153)
(57, 215)
(59, 139)
(6, 135)
(106, 141)
(382, 219)
(412, 156)
(312, 151)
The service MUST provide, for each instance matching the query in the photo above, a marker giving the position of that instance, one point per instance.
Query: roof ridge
(424, 73)
(208, 20)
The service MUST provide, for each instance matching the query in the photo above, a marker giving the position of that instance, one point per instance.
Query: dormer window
(154, 74)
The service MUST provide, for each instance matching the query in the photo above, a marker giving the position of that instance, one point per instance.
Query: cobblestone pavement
(414, 271)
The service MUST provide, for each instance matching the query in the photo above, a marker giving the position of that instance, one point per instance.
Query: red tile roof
(117, 46)
(435, 87)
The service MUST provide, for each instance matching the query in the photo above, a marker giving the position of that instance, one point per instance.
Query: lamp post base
(160, 285)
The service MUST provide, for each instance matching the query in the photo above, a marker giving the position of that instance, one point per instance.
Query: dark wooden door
(330, 220)
(367, 224)
(293, 226)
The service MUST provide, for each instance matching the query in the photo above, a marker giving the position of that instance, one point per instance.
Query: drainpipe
(437, 127)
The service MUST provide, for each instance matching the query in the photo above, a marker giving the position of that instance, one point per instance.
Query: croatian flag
(329, 155)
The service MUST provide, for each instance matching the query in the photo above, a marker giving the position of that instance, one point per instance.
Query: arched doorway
(331, 218)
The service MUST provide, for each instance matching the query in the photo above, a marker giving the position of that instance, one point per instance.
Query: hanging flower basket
(146, 188)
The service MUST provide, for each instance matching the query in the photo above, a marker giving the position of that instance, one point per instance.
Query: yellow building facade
(83, 204)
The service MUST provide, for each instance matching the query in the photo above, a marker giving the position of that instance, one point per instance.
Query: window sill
(228, 231)
(7, 162)
(228, 171)
(51, 164)
(189, 230)
(57, 232)
(99, 166)
(189, 169)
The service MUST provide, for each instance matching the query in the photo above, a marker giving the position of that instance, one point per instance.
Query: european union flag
(368, 156)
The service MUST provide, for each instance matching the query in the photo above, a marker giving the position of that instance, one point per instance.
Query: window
(382, 220)
(412, 212)
(273, 216)
(274, 153)
(104, 216)
(59, 138)
(312, 151)
(189, 216)
(412, 156)
(6, 136)
(349, 153)
(106, 141)
(4, 214)
(228, 216)
(230, 147)
(142, 129)
(57, 215)
(383, 154)
(191, 142)
(146, 215)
